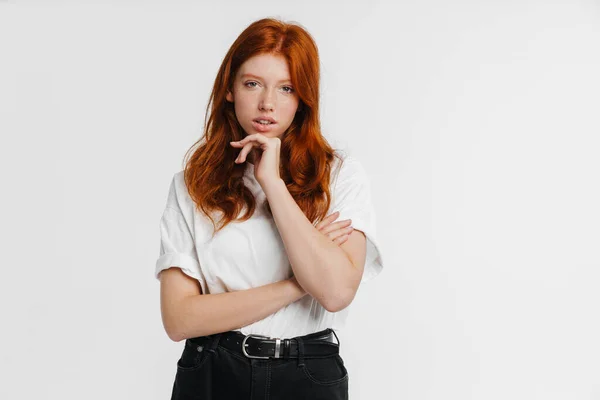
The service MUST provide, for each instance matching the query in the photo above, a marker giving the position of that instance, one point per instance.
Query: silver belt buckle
(244, 346)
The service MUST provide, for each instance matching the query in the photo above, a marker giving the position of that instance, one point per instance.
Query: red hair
(213, 180)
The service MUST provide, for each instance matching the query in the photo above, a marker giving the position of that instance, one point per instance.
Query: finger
(247, 139)
(257, 137)
(336, 225)
(327, 219)
(329, 226)
(244, 152)
(339, 232)
(249, 142)
(341, 239)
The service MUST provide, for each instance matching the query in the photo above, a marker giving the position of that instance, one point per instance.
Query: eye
(291, 89)
(247, 83)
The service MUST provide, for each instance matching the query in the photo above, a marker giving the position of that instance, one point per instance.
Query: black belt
(316, 344)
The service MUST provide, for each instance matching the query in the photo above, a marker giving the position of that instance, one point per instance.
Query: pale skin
(327, 258)
(329, 273)
(187, 313)
(263, 89)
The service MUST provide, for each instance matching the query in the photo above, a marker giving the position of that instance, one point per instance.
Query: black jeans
(209, 371)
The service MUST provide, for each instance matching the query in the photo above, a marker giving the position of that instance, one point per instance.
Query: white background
(478, 122)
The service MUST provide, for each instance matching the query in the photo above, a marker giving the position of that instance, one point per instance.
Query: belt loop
(215, 342)
(336, 337)
(300, 352)
(286, 348)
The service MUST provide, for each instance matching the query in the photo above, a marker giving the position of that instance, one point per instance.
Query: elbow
(174, 336)
(333, 307)
(173, 333)
(173, 328)
(174, 321)
(335, 299)
(337, 303)
(342, 292)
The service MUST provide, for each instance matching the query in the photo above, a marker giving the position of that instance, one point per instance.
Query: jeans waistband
(313, 345)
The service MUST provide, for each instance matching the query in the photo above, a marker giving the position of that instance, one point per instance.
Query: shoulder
(347, 170)
(179, 197)
(179, 182)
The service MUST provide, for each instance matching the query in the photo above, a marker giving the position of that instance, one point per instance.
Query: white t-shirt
(248, 254)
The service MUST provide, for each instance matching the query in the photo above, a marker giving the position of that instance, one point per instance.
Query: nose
(266, 108)
(267, 102)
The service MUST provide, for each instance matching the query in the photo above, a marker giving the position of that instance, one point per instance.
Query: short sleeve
(352, 198)
(177, 246)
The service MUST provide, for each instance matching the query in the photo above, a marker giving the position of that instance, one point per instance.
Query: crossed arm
(328, 272)
(186, 312)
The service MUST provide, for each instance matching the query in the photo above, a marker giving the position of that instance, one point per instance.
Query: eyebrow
(258, 77)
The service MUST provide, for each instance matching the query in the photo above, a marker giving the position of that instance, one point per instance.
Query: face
(263, 89)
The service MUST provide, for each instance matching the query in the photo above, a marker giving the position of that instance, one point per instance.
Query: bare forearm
(208, 314)
(320, 265)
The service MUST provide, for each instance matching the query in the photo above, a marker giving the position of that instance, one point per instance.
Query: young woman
(258, 299)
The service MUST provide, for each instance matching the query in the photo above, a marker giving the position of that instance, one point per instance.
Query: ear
(229, 97)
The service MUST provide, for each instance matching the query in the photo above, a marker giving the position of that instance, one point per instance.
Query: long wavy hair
(214, 180)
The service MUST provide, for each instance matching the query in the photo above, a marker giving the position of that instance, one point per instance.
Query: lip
(265, 118)
(262, 128)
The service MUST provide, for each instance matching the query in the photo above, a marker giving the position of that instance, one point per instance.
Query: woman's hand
(267, 152)
(338, 232)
